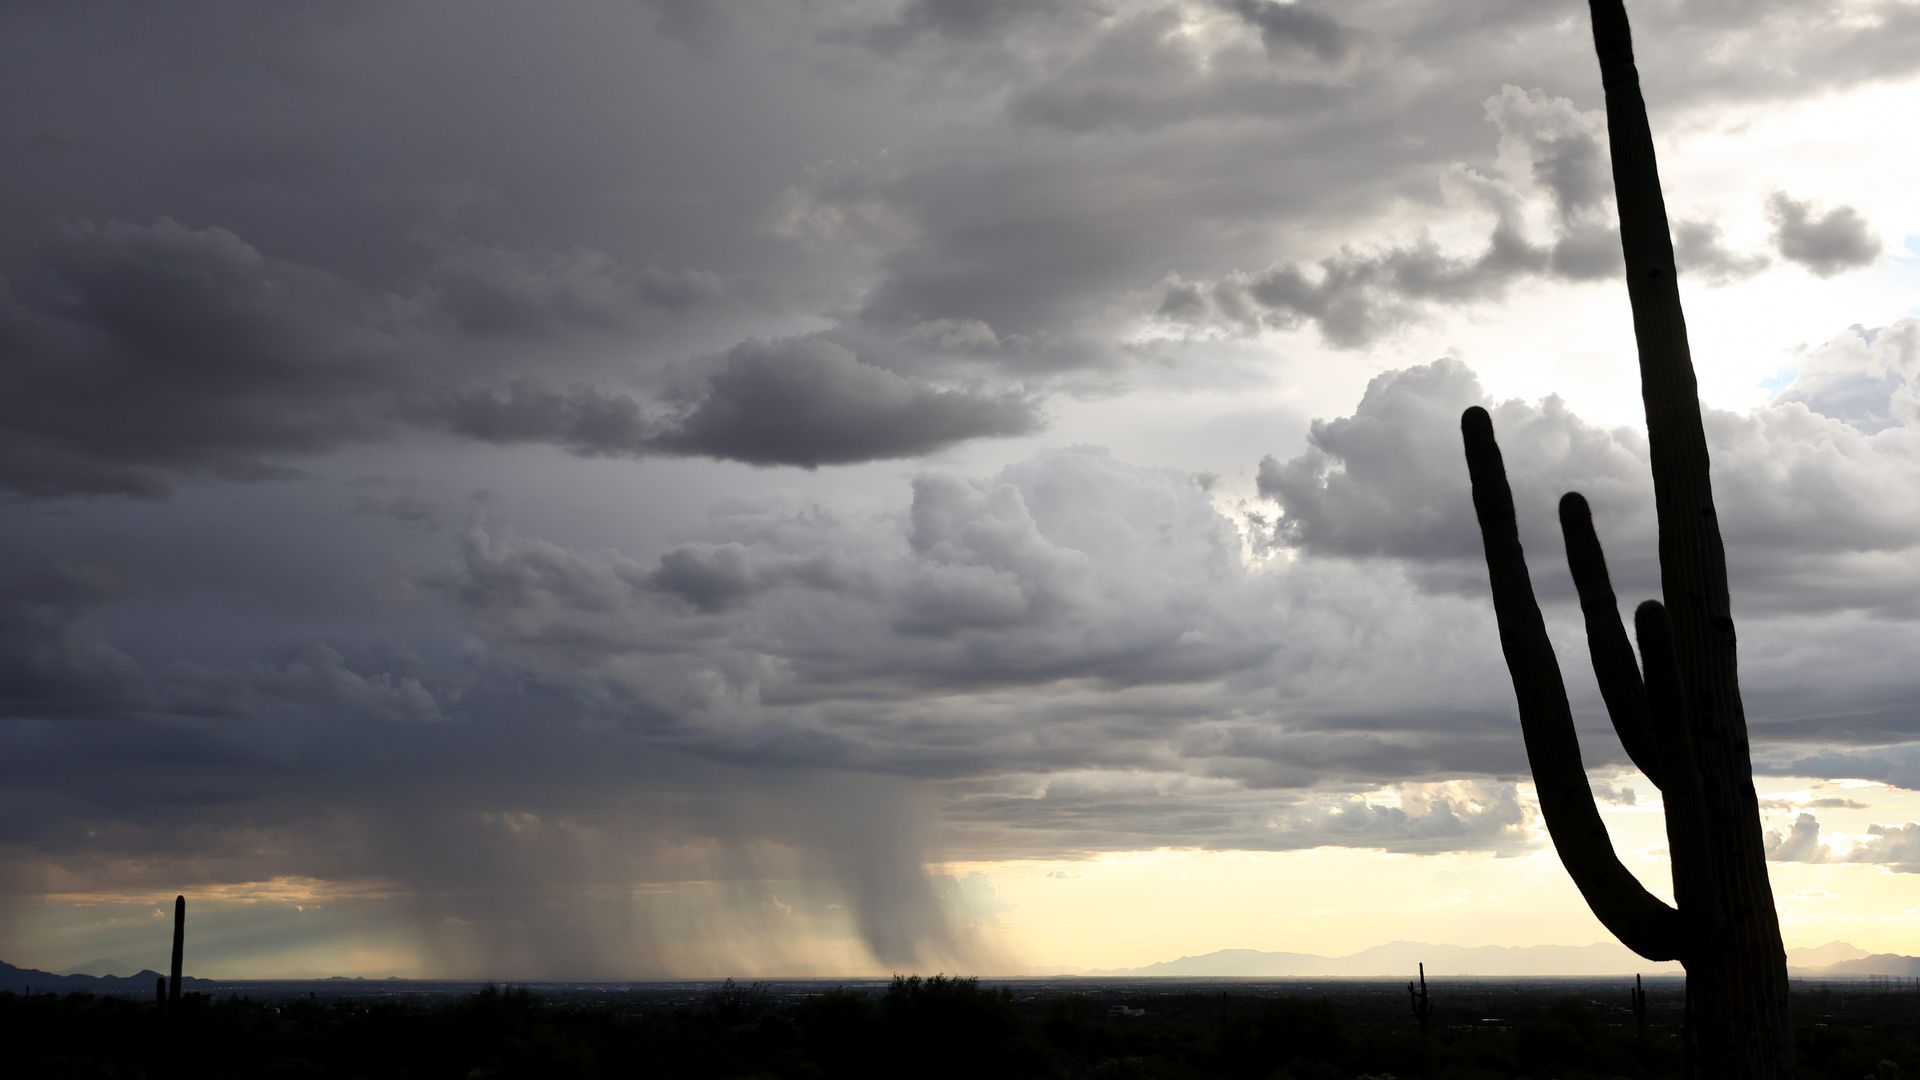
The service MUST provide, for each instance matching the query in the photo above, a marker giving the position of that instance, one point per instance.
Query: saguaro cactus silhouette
(179, 946)
(1639, 997)
(1681, 719)
(1422, 1004)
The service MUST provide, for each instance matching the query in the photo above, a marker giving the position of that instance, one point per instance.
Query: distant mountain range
(1903, 967)
(1834, 960)
(20, 980)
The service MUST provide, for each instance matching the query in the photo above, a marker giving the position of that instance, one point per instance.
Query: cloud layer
(615, 474)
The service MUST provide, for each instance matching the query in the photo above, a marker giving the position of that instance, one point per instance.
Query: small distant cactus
(179, 947)
(1639, 995)
(1422, 1004)
(160, 990)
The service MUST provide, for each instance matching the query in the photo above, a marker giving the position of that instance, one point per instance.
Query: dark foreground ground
(923, 1028)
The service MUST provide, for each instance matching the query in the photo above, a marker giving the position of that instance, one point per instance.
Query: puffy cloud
(1821, 541)
(1869, 378)
(1806, 501)
(1831, 243)
(1801, 844)
(1560, 147)
(1372, 484)
(1073, 566)
(1895, 847)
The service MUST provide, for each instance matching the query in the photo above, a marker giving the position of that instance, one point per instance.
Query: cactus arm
(1688, 835)
(1613, 663)
(1640, 920)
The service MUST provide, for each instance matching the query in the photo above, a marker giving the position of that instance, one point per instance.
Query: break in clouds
(588, 493)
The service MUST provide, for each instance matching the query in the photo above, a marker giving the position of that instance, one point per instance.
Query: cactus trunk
(1681, 721)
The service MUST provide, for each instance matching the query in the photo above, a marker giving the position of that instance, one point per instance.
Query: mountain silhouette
(1832, 960)
(19, 980)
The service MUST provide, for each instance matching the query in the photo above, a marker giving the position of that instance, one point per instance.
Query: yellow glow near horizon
(1129, 909)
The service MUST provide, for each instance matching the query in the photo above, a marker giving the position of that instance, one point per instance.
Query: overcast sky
(719, 487)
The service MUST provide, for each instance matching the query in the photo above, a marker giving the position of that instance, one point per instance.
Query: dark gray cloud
(807, 401)
(1699, 250)
(585, 419)
(795, 214)
(1827, 244)
(145, 354)
(698, 23)
(1357, 298)
(1892, 762)
(54, 663)
(1204, 144)
(404, 506)
(792, 401)
(48, 664)
(491, 291)
(1548, 150)
(1289, 29)
(1092, 813)
(148, 352)
(961, 18)
(1142, 75)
